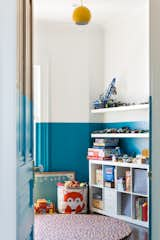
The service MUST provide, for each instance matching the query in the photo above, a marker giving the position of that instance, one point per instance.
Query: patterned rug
(79, 227)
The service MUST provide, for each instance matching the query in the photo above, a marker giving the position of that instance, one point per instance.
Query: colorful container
(72, 200)
(109, 173)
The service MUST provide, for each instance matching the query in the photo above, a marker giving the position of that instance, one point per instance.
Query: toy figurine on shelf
(42, 206)
(106, 96)
(111, 90)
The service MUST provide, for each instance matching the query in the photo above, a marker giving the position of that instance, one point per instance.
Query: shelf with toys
(118, 183)
(114, 191)
(144, 106)
(120, 135)
(119, 164)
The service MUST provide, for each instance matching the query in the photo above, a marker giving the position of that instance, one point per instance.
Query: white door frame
(8, 29)
(8, 47)
(155, 93)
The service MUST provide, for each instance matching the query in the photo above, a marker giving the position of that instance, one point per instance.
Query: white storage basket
(72, 200)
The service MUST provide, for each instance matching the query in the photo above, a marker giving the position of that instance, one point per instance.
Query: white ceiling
(102, 10)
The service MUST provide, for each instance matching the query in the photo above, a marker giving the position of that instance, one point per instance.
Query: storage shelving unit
(114, 196)
(118, 203)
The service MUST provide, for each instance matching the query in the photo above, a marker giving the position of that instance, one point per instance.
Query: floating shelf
(120, 135)
(122, 108)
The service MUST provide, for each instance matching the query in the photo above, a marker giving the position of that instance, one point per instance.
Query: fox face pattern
(74, 202)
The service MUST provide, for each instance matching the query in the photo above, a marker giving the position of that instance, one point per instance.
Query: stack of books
(141, 209)
(103, 149)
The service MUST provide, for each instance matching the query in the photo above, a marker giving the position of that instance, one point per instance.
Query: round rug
(79, 227)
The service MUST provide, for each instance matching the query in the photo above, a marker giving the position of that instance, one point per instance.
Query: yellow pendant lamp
(81, 15)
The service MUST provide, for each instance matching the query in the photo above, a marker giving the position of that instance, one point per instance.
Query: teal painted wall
(63, 146)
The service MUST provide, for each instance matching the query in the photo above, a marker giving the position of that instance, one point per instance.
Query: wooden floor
(139, 233)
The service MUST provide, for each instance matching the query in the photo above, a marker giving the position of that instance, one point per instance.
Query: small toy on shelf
(42, 206)
(107, 98)
(120, 130)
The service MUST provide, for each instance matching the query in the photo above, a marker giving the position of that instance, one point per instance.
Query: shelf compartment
(97, 175)
(140, 182)
(97, 198)
(124, 203)
(124, 180)
(140, 212)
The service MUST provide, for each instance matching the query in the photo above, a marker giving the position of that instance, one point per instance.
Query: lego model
(106, 96)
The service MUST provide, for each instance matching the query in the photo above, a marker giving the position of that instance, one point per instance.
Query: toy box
(72, 200)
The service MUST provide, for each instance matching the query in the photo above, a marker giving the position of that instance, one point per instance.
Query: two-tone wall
(70, 76)
(75, 64)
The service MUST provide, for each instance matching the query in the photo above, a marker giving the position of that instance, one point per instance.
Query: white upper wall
(102, 10)
(127, 59)
(77, 62)
(71, 60)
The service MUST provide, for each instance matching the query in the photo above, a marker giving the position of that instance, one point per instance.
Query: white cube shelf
(116, 203)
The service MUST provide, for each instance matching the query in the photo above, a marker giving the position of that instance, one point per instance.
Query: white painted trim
(155, 93)
(8, 22)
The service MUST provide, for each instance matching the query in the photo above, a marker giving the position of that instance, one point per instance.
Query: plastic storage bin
(72, 200)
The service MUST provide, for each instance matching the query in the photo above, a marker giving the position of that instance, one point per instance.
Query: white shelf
(122, 217)
(122, 108)
(120, 135)
(114, 195)
(119, 164)
(133, 221)
(123, 192)
(118, 191)
(97, 186)
(140, 194)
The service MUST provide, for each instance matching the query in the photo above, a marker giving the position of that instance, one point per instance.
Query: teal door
(25, 215)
